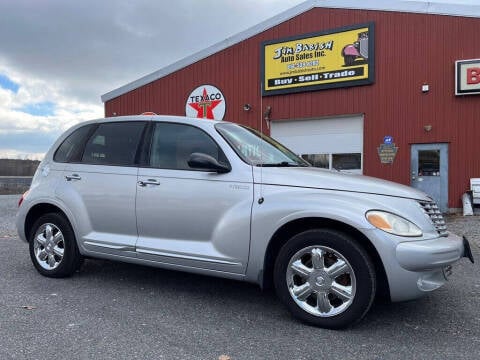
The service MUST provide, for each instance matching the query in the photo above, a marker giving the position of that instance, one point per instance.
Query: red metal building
(402, 107)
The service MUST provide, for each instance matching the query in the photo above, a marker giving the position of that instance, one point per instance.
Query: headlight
(392, 224)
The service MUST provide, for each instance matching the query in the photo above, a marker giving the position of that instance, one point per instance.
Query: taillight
(22, 198)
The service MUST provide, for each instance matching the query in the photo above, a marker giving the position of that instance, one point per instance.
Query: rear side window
(114, 144)
(72, 147)
(172, 145)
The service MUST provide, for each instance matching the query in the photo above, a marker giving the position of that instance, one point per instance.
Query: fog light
(431, 280)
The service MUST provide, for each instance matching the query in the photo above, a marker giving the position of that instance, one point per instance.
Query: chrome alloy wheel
(49, 246)
(321, 281)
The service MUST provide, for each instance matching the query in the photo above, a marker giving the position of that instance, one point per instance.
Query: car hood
(312, 177)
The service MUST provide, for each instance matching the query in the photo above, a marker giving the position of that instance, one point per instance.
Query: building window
(349, 162)
(429, 163)
(318, 160)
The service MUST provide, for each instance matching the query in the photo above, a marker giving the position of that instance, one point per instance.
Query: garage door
(331, 143)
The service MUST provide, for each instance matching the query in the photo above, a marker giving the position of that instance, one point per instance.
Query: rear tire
(53, 248)
(325, 278)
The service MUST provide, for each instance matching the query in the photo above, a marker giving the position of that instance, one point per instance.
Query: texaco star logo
(206, 102)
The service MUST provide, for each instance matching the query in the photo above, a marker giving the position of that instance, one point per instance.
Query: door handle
(73, 177)
(148, 182)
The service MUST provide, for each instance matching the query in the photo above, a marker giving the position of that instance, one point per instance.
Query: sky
(57, 57)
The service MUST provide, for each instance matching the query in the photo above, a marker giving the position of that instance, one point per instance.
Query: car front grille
(433, 212)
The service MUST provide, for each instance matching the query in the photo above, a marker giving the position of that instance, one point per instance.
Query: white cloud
(69, 53)
(17, 123)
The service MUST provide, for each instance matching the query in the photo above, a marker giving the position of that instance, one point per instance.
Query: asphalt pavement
(113, 310)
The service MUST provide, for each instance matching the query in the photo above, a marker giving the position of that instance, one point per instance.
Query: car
(218, 198)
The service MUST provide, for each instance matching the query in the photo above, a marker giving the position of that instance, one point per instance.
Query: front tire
(325, 278)
(53, 249)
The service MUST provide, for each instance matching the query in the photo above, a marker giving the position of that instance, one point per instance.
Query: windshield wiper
(281, 164)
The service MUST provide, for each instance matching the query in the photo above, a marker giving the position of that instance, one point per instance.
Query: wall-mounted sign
(329, 59)
(387, 152)
(206, 102)
(467, 77)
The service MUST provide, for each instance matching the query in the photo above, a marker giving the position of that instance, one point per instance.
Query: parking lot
(119, 311)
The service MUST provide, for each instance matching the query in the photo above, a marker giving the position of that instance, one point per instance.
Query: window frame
(95, 128)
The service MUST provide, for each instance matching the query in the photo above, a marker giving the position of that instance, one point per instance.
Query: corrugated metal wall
(410, 49)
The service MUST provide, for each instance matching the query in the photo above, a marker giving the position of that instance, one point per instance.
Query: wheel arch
(294, 227)
(38, 210)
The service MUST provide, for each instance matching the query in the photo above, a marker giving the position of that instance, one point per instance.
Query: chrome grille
(433, 212)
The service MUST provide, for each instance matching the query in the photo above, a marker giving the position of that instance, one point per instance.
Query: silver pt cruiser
(221, 199)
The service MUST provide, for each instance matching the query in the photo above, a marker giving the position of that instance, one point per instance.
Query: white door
(331, 143)
(429, 169)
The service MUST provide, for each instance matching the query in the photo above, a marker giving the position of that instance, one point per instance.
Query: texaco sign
(206, 102)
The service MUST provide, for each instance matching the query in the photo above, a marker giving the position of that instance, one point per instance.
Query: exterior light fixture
(427, 128)
(247, 107)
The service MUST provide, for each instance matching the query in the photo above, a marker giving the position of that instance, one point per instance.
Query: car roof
(205, 123)
(167, 118)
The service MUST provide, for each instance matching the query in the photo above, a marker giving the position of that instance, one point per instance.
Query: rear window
(114, 144)
(72, 147)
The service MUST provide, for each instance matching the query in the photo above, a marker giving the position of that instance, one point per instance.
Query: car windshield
(257, 149)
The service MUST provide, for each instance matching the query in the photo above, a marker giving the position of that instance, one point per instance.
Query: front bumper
(416, 267)
(431, 254)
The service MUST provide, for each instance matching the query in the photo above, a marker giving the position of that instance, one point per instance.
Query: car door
(189, 217)
(99, 188)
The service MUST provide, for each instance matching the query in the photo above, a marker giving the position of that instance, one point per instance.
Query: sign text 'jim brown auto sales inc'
(329, 59)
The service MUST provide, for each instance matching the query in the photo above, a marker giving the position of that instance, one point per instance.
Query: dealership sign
(329, 59)
(206, 102)
(467, 77)
(387, 151)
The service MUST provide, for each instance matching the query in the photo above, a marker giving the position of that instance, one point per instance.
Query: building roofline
(379, 5)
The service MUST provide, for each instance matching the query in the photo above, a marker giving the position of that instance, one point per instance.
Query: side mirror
(207, 162)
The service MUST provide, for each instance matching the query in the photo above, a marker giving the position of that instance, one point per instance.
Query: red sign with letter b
(467, 77)
(473, 75)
